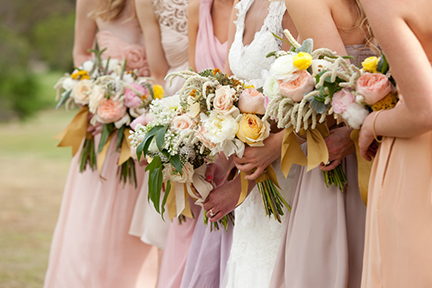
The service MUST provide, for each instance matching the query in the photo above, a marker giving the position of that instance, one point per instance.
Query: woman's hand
(223, 199)
(339, 145)
(260, 157)
(367, 145)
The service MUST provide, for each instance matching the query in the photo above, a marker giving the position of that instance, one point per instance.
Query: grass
(32, 176)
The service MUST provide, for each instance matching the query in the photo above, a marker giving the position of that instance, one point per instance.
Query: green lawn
(32, 175)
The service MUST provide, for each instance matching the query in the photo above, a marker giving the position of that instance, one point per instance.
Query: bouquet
(108, 95)
(228, 115)
(300, 86)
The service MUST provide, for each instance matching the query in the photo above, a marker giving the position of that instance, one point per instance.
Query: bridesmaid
(208, 22)
(325, 230)
(398, 251)
(91, 246)
(164, 24)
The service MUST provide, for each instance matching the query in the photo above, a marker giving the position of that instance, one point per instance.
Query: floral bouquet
(300, 86)
(229, 115)
(108, 95)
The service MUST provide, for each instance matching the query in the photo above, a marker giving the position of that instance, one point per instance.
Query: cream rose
(373, 86)
(252, 101)
(219, 127)
(271, 87)
(110, 111)
(136, 59)
(169, 173)
(224, 99)
(283, 67)
(341, 100)
(252, 130)
(182, 122)
(97, 95)
(298, 86)
(82, 91)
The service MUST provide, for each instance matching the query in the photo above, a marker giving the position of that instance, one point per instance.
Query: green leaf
(154, 164)
(307, 46)
(282, 39)
(120, 136)
(139, 150)
(150, 89)
(383, 66)
(65, 96)
(175, 161)
(107, 129)
(155, 187)
(271, 54)
(160, 137)
(148, 138)
(164, 200)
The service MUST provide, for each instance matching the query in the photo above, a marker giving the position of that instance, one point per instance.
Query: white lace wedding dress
(256, 237)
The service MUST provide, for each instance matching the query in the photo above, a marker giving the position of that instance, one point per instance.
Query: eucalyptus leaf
(318, 106)
(65, 96)
(307, 46)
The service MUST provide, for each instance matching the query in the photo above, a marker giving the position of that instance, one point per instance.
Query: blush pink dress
(91, 246)
(209, 251)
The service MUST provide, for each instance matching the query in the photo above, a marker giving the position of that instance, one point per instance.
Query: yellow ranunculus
(80, 75)
(252, 130)
(388, 102)
(302, 60)
(158, 92)
(370, 64)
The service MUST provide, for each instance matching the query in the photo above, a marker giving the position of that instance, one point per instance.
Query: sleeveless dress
(256, 237)
(91, 246)
(398, 241)
(323, 239)
(172, 18)
(210, 250)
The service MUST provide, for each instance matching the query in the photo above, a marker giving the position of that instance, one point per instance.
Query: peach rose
(252, 130)
(341, 100)
(223, 100)
(136, 59)
(132, 100)
(182, 122)
(81, 92)
(252, 101)
(202, 136)
(296, 88)
(144, 119)
(373, 86)
(110, 111)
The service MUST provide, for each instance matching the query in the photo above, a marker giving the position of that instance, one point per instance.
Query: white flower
(171, 103)
(88, 66)
(82, 91)
(69, 84)
(113, 63)
(194, 107)
(219, 127)
(169, 173)
(271, 88)
(125, 120)
(128, 78)
(97, 95)
(283, 67)
(355, 114)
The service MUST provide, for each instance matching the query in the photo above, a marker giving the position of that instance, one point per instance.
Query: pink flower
(110, 111)
(341, 100)
(136, 59)
(223, 100)
(202, 136)
(182, 122)
(132, 100)
(373, 86)
(251, 101)
(143, 120)
(297, 86)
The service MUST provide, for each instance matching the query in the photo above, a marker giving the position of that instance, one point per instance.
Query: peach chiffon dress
(398, 245)
(91, 246)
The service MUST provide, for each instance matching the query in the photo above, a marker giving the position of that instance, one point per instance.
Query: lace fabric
(248, 61)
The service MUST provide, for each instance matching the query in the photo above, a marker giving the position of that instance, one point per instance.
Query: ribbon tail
(102, 155)
(75, 131)
(291, 152)
(125, 153)
(317, 149)
(171, 203)
(244, 187)
(187, 209)
(364, 168)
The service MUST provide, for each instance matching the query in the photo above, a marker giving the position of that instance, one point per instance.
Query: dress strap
(273, 21)
(242, 8)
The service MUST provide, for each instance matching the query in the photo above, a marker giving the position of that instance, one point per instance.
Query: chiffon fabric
(323, 237)
(209, 250)
(172, 18)
(398, 251)
(91, 246)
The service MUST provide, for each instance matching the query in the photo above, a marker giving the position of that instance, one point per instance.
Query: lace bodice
(240, 55)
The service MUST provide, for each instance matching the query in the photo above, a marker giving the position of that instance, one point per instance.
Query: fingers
(210, 171)
(255, 174)
(331, 166)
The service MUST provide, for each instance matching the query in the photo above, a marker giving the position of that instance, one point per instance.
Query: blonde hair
(109, 10)
(363, 24)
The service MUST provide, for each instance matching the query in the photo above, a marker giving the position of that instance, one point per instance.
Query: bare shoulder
(193, 9)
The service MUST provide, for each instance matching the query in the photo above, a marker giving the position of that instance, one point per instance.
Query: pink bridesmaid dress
(91, 246)
(209, 251)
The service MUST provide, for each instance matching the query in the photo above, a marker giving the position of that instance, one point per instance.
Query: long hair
(363, 24)
(109, 10)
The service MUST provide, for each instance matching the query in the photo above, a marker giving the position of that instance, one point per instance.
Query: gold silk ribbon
(316, 147)
(125, 152)
(75, 131)
(364, 168)
(269, 173)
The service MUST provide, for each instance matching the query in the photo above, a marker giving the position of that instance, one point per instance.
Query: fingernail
(209, 178)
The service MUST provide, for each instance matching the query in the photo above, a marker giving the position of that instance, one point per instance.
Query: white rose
(320, 65)
(271, 87)
(113, 63)
(69, 84)
(88, 66)
(283, 67)
(97, 95)
(219, 127)
(82, 91)
(182, 122)
(171, 103)
(169, 173)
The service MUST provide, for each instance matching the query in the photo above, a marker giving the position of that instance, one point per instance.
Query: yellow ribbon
(75, 131)
(317, 148)
(364, 168)
(177, 201)
(102, 155)
(125, 153)
(269, 173)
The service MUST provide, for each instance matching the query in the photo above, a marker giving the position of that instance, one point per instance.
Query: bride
(256, 236)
